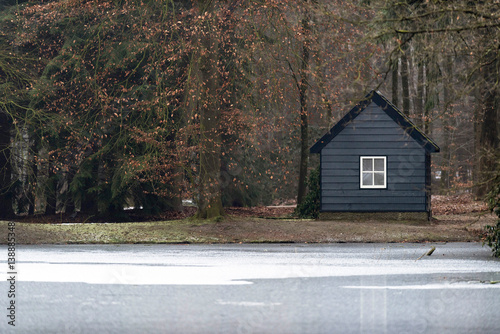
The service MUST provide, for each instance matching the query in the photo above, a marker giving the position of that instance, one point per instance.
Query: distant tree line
(128, 103)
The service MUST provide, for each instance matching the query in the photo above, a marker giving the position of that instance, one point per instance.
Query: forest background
(112, 104)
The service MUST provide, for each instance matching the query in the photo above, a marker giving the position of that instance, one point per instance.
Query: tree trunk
(6, 209)
(51, 193)
(419, 105)
(405, 84)
(427, 97)
(446, 174)
(304, 122)
(68, 202)
(395, 83)
(209, 201)
(488, 141)
(176, 201)
(327, 104)
(33, 177)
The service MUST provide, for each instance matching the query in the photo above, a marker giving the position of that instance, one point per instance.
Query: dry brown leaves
(441, 205)
(262, 211)
(456, 204)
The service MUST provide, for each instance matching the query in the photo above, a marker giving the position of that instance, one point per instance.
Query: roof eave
(404, 122)
(392, 111)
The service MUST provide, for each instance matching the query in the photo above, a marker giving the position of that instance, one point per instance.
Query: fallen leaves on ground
(456, 204)
(262, 211)
(441, 205)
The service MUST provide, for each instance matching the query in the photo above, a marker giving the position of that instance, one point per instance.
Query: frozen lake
(264, 288)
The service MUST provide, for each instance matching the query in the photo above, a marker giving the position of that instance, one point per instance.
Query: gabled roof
(393, 112)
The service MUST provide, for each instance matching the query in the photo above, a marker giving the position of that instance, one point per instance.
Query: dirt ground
(458, 218)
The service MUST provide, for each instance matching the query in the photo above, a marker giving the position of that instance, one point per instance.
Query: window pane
(367, 165)
(379, 179)
(367, 179)
(379, 165)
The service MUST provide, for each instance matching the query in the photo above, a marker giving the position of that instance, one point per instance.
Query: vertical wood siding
(373, 133)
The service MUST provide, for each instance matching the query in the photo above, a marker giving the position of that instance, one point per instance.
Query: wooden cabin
(375, 160)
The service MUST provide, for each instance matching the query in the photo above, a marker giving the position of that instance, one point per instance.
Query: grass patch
(234, 229)
(179, 231)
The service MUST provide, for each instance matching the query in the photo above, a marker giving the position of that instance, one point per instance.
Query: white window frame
(361, 171)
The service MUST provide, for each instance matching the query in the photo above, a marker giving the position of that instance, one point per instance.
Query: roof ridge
(391, 110)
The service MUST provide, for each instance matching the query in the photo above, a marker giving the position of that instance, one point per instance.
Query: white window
(373, 172)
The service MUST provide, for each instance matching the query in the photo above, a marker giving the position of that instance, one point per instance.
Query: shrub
(493, 232)
(310, 207)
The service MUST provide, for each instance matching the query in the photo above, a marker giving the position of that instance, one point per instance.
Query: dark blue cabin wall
(428, 181)
(374, 133)
(320, 182)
